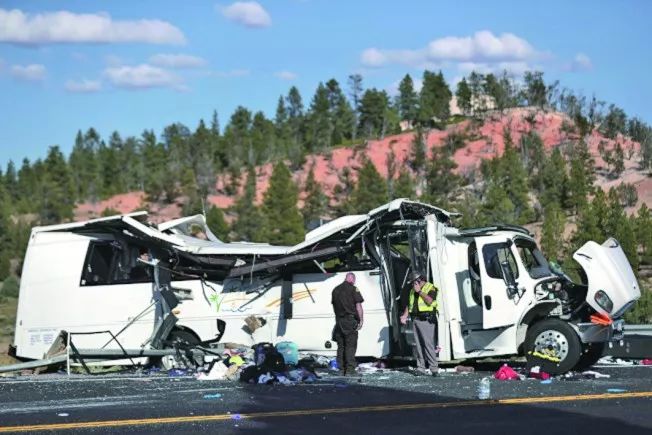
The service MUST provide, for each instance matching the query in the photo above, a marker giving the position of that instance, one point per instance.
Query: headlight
(604, 301)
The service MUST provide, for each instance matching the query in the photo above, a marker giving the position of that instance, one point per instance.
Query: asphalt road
(390, 402)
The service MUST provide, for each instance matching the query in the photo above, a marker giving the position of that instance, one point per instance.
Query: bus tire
(592, 352)
(553, 345)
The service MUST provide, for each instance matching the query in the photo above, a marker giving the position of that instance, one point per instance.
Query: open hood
(613, 287)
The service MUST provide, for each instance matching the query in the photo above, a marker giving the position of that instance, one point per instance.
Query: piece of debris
(289, 350)
(590, 374)
(616, 390)
(63, 414)
(212, 396)
(484, 389)
(646, 362)
(537, 373)
(217, 372)
(506, 373)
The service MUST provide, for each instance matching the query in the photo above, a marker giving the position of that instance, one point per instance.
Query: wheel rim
(552, 343)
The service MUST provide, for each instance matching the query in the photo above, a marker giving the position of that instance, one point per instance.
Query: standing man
(422, 307)
(347, 305)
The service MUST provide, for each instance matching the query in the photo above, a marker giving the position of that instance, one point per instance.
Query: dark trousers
(346, 337)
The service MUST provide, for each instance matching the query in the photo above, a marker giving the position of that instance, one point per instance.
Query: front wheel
(553, 345)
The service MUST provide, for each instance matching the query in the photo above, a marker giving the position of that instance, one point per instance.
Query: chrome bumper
(592, 333)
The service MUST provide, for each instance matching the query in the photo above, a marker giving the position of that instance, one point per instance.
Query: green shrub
(642, 311)
(10, 287)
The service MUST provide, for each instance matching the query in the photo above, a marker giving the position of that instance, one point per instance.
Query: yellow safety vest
(423, 307)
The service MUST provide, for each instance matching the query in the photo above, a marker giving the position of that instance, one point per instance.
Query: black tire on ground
(590, 355)
(559, 332)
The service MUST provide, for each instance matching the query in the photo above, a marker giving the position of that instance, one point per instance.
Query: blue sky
(131, 65)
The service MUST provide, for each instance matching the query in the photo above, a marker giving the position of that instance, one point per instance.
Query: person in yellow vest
(422, 308)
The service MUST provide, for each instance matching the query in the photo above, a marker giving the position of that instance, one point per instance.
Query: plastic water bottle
(484, 389)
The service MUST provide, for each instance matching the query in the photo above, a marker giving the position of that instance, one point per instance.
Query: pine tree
(5, 231)
(217, 224)
(581, 176)
(464, 95)
(262, 139)
(417, 152)
(190, 190)
(283, 222)
(373, 109)
(155, 165)
(404, 186)
(434, 99)
(497, 207)
(370, 190)
(408, 100)
(392, 167)
(249, 223)
(587, 227)
(534, 89)
(314, 206)
(342, 192)
(552, 237)
(512, 176)
(11, 181)
(442, 181)
(643, 228)
(57, 197)
(618, 161)
(554, 179)
(295, 118)
(341, 113)
(319, 137)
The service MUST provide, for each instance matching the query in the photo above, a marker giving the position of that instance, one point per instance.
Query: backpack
(268, 358)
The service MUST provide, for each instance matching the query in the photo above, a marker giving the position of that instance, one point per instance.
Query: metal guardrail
(638, 330)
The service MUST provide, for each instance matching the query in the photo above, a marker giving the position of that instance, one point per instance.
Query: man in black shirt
(347, 305)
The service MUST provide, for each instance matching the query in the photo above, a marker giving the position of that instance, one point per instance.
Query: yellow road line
(295, 413)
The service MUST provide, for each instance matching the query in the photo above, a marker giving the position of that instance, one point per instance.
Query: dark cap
(415, 276)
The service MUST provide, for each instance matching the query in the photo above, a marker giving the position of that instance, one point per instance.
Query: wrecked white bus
(499, 296)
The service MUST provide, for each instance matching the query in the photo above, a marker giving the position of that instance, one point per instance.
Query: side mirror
(508, 278)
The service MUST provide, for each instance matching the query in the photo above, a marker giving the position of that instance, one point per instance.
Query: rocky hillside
(482, 140)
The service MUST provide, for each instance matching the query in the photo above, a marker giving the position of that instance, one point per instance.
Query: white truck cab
(498, 294)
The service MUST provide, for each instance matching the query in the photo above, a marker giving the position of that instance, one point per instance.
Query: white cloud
(581, 62)
(177, 61)
(286, 75)
(250, 14)
(19, 27)
(481, 47)
(83, 86)
(31, 73)
(142, 76)
(514, 68)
